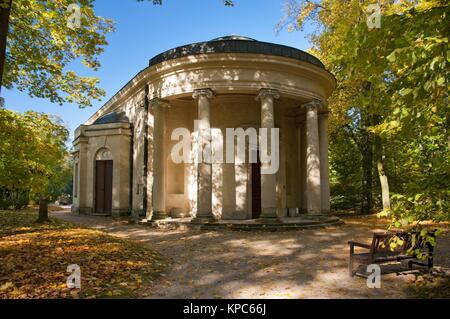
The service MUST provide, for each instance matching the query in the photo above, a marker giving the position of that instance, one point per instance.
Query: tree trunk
(384, 186)
(383, 177)
(364, 141)
(367, 170)
(4, 27)
(43, 211)
(447, 127)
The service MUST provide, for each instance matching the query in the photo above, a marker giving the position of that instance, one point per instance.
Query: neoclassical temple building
(122, 162)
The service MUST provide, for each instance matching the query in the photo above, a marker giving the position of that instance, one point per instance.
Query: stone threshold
(284, 224)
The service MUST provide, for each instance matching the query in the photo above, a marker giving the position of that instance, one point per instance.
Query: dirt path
(226, 264)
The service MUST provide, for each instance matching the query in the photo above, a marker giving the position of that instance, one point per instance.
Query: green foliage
(418, 241)
(32, 153)
(345, 171)
(16, 199)
(41, 48)
(392, 95)
(421, 172)
(418, 70)
(422, 206)
(60, 183)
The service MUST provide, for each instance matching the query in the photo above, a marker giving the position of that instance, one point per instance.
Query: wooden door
(103, 187)
(256, 189)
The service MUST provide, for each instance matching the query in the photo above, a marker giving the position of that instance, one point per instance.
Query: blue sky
(144, 30)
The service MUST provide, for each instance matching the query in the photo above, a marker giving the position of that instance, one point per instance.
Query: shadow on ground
(295, 264)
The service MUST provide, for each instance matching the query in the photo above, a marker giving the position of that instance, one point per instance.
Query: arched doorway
(103, 182)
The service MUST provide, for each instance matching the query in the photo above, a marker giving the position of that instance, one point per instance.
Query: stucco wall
(231, 183)
(236, 79)
(90, 141)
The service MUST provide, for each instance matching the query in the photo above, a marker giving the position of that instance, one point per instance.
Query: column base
(139, 214)
(205, 219)
(159, 215)
(85, 211)
(269, 216)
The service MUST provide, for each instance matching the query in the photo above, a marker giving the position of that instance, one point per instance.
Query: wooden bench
(379, 251)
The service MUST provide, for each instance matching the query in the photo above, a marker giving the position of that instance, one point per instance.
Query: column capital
(155, 102)
(314, 104)
(208, 93)
(265, 93)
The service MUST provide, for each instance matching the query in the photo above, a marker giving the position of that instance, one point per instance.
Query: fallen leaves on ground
(34, 260)
(431, 286)
(374, 221)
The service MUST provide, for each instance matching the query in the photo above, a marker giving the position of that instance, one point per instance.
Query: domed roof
(113, 117)
(233, 37)
(235, 44)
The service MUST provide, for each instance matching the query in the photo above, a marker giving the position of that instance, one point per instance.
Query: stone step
(242, 226)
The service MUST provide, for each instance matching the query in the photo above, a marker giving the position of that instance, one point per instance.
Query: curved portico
(230, 82)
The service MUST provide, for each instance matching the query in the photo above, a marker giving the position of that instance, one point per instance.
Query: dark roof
(235, 44)
(114, 117)
(233, 37)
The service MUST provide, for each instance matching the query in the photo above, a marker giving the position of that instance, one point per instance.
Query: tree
(392, 86)
(38, 44)
(41, 46)
(345, 170)
(61, 181)
(5, 11)
(32, 146)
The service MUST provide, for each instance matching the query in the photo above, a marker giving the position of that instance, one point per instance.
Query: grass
(34, 260)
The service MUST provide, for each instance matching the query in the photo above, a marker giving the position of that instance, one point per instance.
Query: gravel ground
(295, 264)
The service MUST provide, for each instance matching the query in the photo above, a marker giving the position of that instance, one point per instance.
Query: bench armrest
(354, 243)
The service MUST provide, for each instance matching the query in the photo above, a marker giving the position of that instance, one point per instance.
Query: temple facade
(123, 161)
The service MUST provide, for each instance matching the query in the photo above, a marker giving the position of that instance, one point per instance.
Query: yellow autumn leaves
(35, 257)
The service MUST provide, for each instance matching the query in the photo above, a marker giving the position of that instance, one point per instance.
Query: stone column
(302, 201)
(268, 181)
(313, 158)
(204, 178)
(84, 206)
(324, 163)
(229, 191)
(241, 187)
(159, 159)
